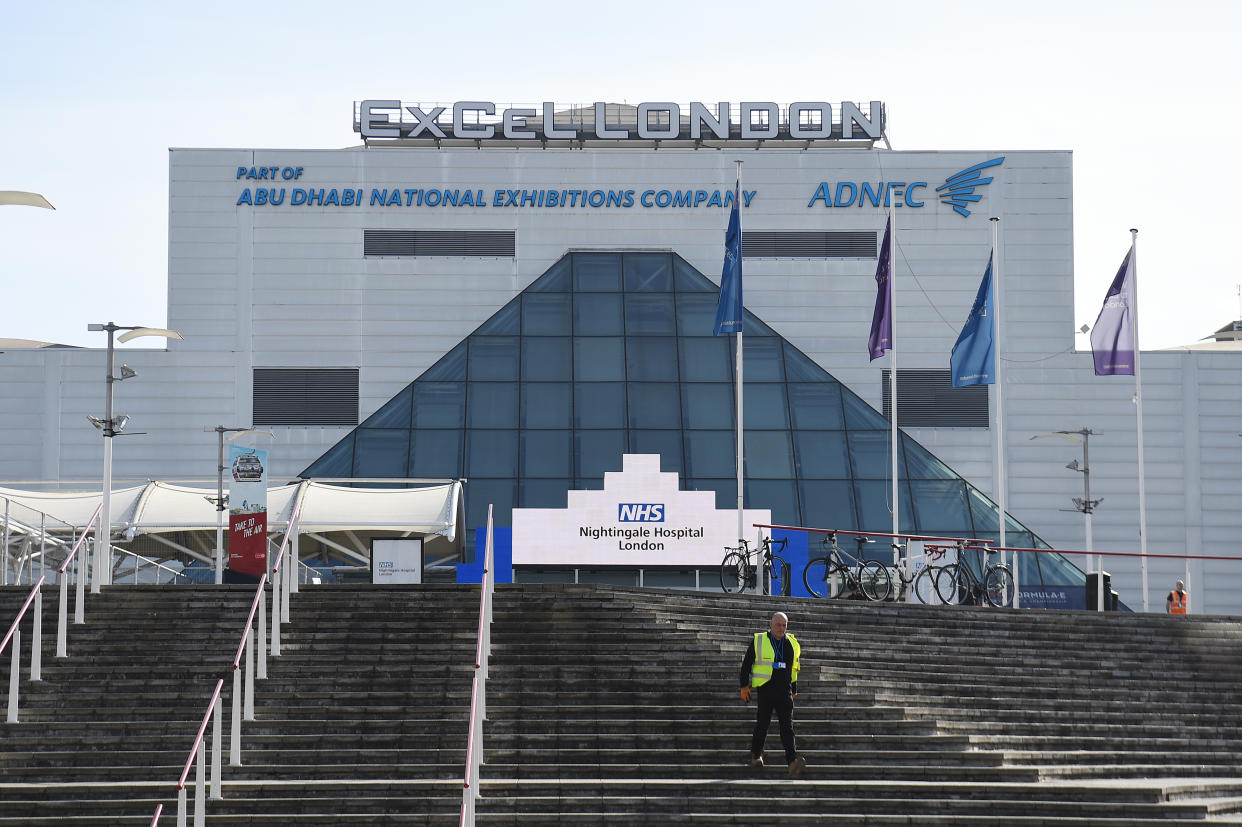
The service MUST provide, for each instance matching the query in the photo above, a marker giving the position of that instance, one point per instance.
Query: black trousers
(776, 699)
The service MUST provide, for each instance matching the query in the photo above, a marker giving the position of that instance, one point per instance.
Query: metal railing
(478, 690)
(243, 683)
(35, 599)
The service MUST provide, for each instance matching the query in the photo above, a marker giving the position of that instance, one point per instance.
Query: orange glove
(746, 694)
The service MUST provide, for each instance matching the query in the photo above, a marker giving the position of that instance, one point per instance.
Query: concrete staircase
(619, 706)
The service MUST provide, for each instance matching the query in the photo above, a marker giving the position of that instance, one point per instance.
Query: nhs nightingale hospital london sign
(476, 121)
(640, 518)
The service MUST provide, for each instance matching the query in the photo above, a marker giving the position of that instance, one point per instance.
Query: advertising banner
(248, 511)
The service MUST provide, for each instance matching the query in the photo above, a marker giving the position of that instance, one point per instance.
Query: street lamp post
(111, 426)
(221, 499)
(1085, 504)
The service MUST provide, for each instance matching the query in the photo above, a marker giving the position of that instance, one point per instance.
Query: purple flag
(1113, 337)
(881, 338)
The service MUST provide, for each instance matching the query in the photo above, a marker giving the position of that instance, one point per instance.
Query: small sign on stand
(396, 561)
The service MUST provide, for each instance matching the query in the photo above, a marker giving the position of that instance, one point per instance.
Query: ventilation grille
(927, 399)
(439, 243)
(810, 244)
(306, 396)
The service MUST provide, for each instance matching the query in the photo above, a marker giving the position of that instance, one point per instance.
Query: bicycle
(830, 577)
(737, 573)
(924, 582)
(957, 583)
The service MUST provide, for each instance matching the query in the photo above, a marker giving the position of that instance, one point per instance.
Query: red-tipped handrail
(155, 819)
(85, 533)
(21, 613)
(198, 739)
(254, 607)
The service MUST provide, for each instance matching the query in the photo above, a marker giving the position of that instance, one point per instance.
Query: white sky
(92, 95)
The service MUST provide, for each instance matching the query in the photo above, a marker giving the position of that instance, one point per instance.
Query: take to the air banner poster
(247, 512)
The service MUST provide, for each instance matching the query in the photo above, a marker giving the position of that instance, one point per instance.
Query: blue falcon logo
(958, 190)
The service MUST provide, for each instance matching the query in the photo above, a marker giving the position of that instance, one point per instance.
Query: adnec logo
(958, 191)
(640, 512)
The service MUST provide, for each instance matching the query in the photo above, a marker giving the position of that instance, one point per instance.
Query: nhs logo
(640, 512)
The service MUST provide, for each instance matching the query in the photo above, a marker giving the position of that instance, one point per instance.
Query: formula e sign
(649, 121)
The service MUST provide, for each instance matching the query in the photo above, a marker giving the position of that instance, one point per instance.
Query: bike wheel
(733, 573)
(840, 581)
(998, 587)
(875, 581)
(925, 586)
(815, 577)
(952, 585)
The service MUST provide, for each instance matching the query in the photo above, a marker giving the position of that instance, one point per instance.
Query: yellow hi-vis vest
(765, 656)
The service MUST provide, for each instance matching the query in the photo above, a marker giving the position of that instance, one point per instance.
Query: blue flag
(973, 361)
(881, 338)
(1112, 338)
(729, 311)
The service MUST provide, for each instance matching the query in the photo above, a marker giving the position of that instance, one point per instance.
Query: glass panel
(1058, 571)
(599, 405)
(545, 314)
(598, 314)
(546, 404)
(765, 404)
(654, 405)
(608, 577)
(504, 322)
(940, 506)
(858, 414)
(493, 405)
(555, 279)
(689, 280)
(546, 454)
(545, 358)
(338, 461)
(648, 272)
(828, 504)
(665, 443)
(706, 360)
(651, 358)
(382, 452)
(599, 359)
(922, 465)
(394, 414)
(543, 493)
(501, 494)
(436, 453)
(711, 454)
(439, 404)
(1027, 566)
(672, 579)
(531, 575)
(597, 272)
(768, 455)
(696, 314)
(778, 496)
(598, 451)
(800, 368)
(491, 454)
(821, 455)
(726, 490)
(983, 513)
(752, 326)
(494, 357)
(707, 406)
(649, 315)
(451, 366)
(869, 455)
(763, 359)
(816, 405)
(875, 502)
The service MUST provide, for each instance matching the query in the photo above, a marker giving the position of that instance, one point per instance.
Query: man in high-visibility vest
(770, 672)
(1175, 603)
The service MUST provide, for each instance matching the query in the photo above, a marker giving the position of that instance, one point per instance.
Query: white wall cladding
(288, 286)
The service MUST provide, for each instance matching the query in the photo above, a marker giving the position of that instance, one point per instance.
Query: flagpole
(1138, 400)
(1000, 405)
(892, 373)
(741, 491)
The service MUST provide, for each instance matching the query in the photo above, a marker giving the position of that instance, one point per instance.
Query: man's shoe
(756, 761)
(797, 765)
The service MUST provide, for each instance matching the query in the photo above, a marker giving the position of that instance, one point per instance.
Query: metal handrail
(20, 614)
(478, 689)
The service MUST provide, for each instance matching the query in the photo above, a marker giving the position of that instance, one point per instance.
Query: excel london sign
(380, 120)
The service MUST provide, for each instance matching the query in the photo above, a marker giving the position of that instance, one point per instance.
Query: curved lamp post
(112, 425)
(221, 499)
(24, 199)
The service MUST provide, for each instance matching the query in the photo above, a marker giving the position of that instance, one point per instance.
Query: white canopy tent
(432, 512)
